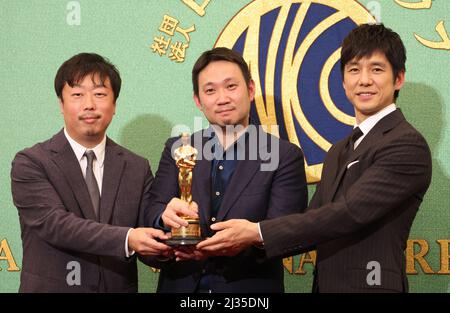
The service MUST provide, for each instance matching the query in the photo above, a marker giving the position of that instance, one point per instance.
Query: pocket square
(352, 163)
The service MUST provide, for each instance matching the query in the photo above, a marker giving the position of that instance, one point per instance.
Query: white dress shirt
(99, 151)
(371, 121)
(97, 167)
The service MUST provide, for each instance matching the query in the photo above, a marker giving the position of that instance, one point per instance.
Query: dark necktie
(347, 151)
(91, 182)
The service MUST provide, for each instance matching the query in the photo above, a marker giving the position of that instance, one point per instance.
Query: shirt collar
(79, 150)
(371, 121)
(210, 133)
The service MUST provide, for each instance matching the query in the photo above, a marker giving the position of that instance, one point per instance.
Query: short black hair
(75, 69)
(366, 39)
(219, 54)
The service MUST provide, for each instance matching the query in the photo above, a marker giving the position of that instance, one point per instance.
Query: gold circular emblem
(279, 34)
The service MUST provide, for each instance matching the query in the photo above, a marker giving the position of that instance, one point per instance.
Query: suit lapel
(377, 133)
(243, 174)
(374, 135)
(65, 159)
(201, 190)
(201, 181)
(334, 173)
(114, 166)
(339, 171)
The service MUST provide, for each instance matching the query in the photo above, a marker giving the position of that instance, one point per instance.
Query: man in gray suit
(80, 196)
(372, 184)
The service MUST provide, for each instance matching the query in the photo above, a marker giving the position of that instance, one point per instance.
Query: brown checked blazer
(361, 212)
(59, 225)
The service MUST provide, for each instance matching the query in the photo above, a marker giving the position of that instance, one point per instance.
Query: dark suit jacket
(251, 194)
(362, 213)
(58, 222)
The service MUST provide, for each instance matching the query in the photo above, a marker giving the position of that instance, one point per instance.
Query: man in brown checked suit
(372, 182)
(80, 196)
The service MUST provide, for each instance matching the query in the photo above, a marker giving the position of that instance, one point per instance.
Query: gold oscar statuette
(185, 157)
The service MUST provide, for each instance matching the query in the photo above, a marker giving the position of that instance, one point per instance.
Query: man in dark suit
(372, 182)
(81, 196)
(241, 172)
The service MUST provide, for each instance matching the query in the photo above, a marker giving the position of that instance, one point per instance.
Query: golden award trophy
(185, 158)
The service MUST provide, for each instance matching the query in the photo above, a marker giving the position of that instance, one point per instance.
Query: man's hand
(177, 208)
(232, 237)
(143, 241)
(184, 253)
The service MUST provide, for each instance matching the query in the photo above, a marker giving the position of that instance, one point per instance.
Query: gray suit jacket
(361, 213)
(59, 225)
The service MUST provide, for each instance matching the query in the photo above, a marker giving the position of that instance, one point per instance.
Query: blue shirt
(223, 166)
(222, 169)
